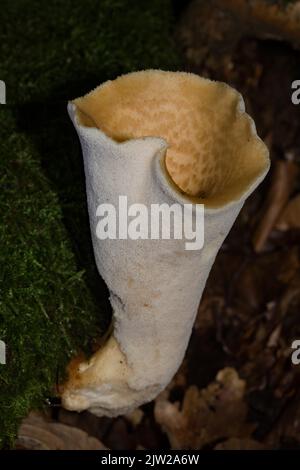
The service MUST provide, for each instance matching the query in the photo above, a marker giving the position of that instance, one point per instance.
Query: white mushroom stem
(157, 137)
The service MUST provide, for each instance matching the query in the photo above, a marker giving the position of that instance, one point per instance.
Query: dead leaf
(282, 184)
(287, 427)
(290, 216)
(216, 412)
(38, 433)
(289, 265)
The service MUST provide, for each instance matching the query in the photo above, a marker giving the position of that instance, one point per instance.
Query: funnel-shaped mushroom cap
(214, 153)
(132, 129)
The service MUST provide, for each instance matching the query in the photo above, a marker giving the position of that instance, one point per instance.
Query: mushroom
(157, 137)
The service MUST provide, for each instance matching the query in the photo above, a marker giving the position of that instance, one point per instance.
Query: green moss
(51, 304)
(46, 310)
(64, 46)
